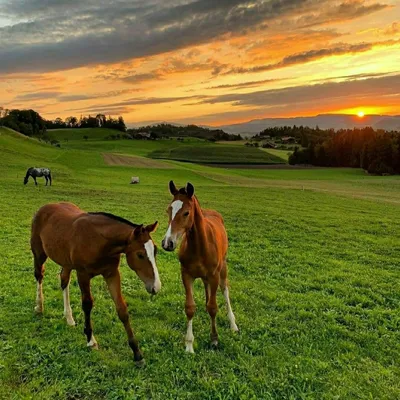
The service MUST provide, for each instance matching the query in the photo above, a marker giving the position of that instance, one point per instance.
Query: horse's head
(181, 215)
(28, 172)
(141, 257)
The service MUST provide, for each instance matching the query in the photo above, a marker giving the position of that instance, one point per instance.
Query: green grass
(314, 274)
(78, 133)
(217, 154)
(284, 154)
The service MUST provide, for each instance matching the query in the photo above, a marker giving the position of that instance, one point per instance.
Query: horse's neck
(118, 236)
(197, 234)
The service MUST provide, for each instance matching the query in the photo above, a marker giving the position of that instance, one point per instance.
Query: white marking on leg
(39, 298)
(231, 316)
(176, 206)
(93, 343)
(67, 307)
(189, 339)
(149, 246)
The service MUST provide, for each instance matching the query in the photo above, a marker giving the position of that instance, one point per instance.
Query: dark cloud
(313, 55)
(319, 93)
(37, 96)
(98, 110)
(244, 85)
(49, 35)
(140, 78)
(138, 101)
(62, 97)
(344, 11)
(80, 97)
(357, 76)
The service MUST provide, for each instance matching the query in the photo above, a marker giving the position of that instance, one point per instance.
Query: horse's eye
(140, 256)
(186, 214)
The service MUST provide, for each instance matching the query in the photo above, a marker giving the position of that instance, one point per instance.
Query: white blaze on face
(149, 246)
(176, 206)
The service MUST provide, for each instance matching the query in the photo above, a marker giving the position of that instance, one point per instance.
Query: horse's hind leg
(87, 305)
(212, 307)
(39, 257)
(223, 284)
(65, 277)
(47, 181)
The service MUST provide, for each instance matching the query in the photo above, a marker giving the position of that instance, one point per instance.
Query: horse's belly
(58, 253)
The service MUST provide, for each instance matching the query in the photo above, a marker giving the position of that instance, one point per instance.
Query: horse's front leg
(212, 307)
(87, 305)
(65, 277)
(114, 286)
(190, 309)
(34, 178)
(47, 181)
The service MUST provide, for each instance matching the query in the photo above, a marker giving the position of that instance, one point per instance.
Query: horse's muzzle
(153, 288)
(168, 245)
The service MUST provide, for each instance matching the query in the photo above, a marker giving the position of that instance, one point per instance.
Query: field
(314, 275)
(217, 154)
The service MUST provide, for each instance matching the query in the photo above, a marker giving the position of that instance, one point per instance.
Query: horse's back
(55, 216)
(53, 230)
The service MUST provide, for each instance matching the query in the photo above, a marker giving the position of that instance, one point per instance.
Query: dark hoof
(214, 344)
(141, 363)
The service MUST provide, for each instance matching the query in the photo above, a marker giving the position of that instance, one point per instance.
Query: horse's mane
(115, 217)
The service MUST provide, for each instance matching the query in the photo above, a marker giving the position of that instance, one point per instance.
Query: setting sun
(360, 114)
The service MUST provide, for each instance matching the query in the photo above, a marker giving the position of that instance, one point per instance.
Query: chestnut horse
(92, 244)
(202, 255)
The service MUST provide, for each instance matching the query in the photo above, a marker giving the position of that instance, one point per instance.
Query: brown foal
(202, 255)
(92, 244)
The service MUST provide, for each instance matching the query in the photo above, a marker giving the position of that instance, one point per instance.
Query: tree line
(99, 121)
(376, 151)
(303, 134)
(169, 130)
(30, 123)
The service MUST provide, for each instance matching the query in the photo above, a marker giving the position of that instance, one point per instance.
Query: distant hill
(323, 121)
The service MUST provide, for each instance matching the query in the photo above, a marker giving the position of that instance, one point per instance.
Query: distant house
(268, 145)
(144, 135)
(288, 139)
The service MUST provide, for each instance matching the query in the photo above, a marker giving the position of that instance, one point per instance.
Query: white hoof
(234, 327)
(39, 309)
(93, 343)
(189, 347)
(70, 321)
(214, 343)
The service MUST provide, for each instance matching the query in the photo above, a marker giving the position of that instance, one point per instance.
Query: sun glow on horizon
(361, 114)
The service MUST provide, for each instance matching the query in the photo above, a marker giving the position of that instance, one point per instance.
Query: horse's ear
(138, 231)
(190, 190)
(172, 188)
(152, 227)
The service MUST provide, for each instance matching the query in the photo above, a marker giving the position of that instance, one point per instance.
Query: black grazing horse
(37, 173)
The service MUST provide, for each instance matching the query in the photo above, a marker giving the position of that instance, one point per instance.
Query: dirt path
(133, 161)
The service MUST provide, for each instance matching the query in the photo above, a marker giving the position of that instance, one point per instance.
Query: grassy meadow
(314, 264)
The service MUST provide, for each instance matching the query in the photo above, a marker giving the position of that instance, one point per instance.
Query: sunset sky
(205, 61)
